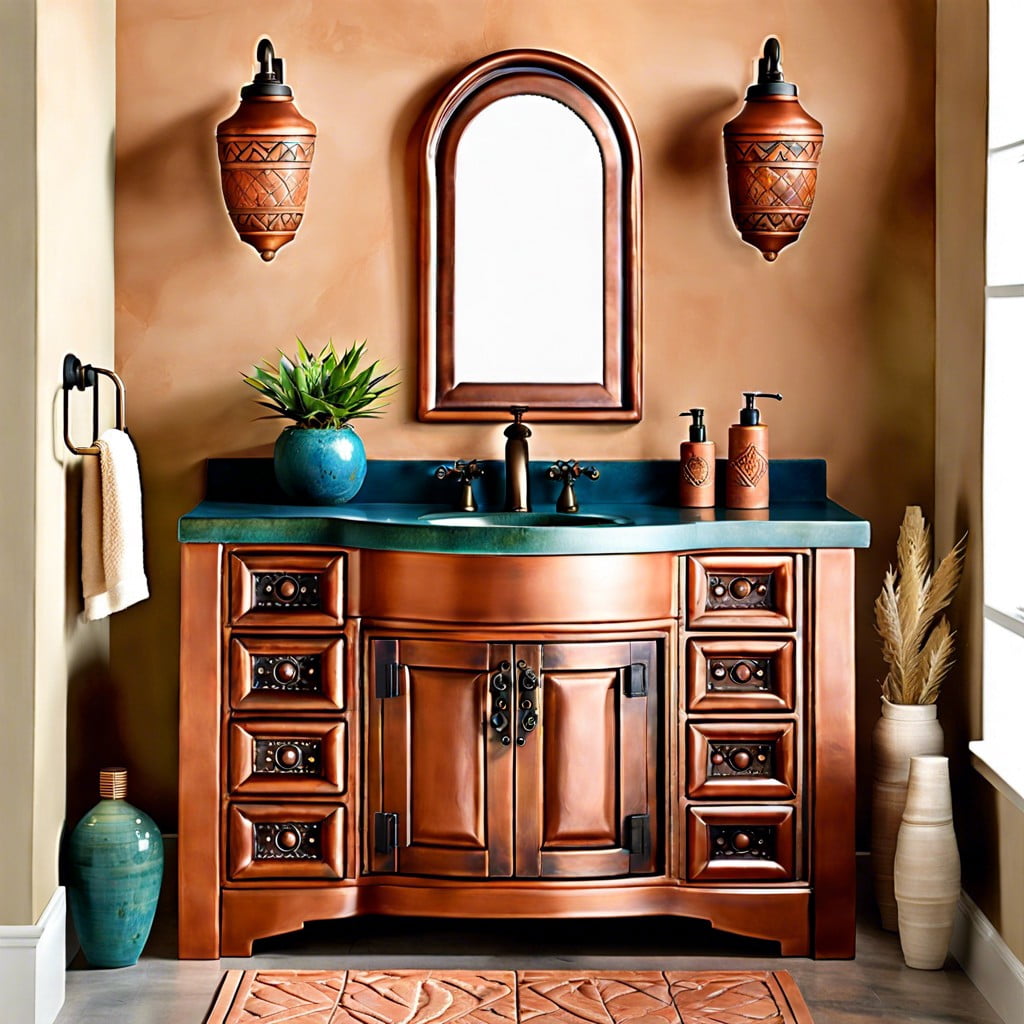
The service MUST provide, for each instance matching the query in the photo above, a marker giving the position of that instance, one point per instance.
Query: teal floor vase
(115, 866)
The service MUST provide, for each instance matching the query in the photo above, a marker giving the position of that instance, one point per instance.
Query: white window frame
(997, 756)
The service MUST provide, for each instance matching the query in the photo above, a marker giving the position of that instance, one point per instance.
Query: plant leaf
(936, 660)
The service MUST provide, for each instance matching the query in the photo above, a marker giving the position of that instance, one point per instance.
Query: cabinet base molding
(777, 915)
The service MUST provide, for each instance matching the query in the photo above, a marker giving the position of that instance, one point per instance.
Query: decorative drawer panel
(740, 592)
(741, 675)
(286, 841)
(741, 760)
(286, 588)
(287, 758)
(286, 674)
(740, 843)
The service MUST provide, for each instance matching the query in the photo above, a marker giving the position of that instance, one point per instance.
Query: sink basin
(523, 519)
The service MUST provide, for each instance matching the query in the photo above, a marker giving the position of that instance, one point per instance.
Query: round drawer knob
(741, 841)
(288, 756)
(286, 588)
(286, 671)
(717, 758)
(740, 588)
(742, 672)
(740, 759)
(719, 672)
(288, 839)
(718, 590)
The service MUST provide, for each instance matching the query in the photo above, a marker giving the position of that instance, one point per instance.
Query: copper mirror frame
(538, 73)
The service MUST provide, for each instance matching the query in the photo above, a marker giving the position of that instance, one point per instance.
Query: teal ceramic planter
(320, 467)
(115, 866)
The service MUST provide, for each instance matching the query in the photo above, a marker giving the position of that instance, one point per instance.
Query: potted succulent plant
(917, 645)
(320, 458)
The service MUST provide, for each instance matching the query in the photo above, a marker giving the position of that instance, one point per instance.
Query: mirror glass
(529, 260)
(529, 245)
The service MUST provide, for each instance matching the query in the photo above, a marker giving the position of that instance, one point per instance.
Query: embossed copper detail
(560, 997)
(747, 590)
(266, 150)
(282, 591)
(293, 840)
(288, 672)
(739, 675)
(427, 997)
(696, 471)
(288, 757)
(508, 997)
(749, 467)
(736, 760)
(743, 841)
(772, 149)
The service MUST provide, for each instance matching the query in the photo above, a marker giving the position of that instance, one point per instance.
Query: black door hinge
(636, 680)
(387, 680)
(385, 831)
(638, 835)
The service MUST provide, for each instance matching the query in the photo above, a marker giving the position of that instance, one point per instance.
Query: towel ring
(81, 376)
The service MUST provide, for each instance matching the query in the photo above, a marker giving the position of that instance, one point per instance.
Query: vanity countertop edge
(243, 506)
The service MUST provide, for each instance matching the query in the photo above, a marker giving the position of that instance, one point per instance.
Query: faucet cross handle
(568, 471)
(465, 472)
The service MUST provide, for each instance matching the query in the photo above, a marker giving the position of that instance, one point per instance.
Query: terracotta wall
(843, 323)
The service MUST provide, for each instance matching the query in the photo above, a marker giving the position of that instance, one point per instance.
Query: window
(1003, 710)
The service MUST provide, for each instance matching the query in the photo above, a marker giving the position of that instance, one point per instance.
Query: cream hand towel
(113, 576)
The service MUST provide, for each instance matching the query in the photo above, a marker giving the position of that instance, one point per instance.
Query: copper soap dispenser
(697, 465)
(746, 480)
(772, 148)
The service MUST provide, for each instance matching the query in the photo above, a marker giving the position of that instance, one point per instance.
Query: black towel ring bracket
(81, 376)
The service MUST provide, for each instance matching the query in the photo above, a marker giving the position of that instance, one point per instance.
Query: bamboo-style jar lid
(114, 783)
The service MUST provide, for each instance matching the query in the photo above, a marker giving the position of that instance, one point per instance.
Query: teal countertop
(244, 507)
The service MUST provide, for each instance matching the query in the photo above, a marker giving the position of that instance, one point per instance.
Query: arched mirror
(530, 245)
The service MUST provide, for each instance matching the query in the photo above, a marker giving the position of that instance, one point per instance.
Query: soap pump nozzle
(750, 416)
(698, 432)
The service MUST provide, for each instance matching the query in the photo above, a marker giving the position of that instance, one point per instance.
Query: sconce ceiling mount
(772, 148)
(266, 150)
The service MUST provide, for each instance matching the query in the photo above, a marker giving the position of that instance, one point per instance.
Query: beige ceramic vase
(903, 731)
(927, 865)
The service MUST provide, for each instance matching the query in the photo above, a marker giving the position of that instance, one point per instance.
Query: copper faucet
(517, 463)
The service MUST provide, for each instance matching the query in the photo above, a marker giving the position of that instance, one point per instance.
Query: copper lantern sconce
(772, 148)
(266, 150)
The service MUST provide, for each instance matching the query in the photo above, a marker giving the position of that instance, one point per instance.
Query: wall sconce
(265, 150)
(772, 148)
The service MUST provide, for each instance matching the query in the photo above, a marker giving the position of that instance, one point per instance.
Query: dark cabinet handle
(500, 689)
(529, 706)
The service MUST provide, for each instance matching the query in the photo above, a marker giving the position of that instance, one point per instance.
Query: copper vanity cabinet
(370, 731)
(502, 760)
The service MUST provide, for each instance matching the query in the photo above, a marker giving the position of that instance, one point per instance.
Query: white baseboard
(32, 966)
(986, 959)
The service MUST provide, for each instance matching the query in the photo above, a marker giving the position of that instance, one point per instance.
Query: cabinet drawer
(286, 841)
(284, 588)
(740, 843)
(287, 758)
(741, 674)
(741, 760)
(740, 591)
(286, 674)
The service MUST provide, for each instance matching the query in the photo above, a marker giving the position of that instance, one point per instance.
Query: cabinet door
(585, 774)
(445, 769)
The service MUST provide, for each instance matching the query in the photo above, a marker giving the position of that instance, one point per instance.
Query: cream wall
(17, 462)
(990, 828)
(842, 324)
(56, 289)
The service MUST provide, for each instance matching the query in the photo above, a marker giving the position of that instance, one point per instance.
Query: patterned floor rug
(508, 997)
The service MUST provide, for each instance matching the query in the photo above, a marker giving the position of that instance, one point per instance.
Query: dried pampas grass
(918, 651)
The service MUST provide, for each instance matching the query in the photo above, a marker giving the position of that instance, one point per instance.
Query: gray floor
(875, 987)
